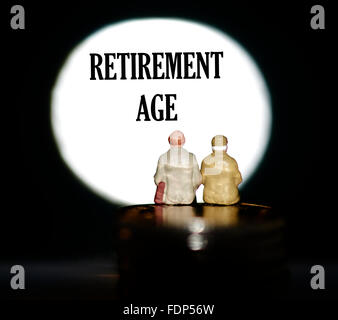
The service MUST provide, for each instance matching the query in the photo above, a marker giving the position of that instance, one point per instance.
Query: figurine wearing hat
(177, 176)
(220, 174)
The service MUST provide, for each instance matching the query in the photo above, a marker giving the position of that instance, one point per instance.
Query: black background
(51, 214)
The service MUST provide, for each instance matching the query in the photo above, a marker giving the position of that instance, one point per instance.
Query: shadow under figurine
(220, 173)
(177, 176)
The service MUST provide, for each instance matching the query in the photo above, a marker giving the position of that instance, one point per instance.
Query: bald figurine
(220, 174)
(177, 176)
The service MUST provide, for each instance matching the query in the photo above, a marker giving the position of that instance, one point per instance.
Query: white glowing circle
(94, 121)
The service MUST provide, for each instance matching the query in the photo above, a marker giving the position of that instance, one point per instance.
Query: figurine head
(219, 142)
(176, 139)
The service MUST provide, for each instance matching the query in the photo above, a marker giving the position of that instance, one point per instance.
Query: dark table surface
(96, 277)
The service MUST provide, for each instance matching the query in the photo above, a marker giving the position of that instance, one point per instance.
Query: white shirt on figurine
(177, 175)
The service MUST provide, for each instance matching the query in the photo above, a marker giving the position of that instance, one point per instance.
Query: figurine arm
(159, 175)
(203, 172)
(237, 173)
(197, 177)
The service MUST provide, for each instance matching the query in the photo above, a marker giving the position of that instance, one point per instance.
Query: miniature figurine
(177, 176)
(220, 174)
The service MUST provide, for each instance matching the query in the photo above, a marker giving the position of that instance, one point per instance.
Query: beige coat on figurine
(220, 175)
(177, 176)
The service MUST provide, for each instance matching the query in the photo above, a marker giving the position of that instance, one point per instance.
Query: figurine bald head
(219, 142)
(176, 139)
